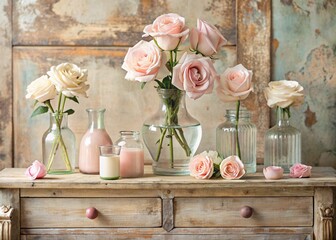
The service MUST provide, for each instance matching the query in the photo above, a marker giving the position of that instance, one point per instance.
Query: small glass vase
(95, 136)
(59, 146)
(226, 138)
(171, 135)
(282, 143)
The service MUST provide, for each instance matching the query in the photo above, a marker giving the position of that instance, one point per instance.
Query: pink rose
(299, 170)
(273, 172)
(194, 74)
(201, 166)
(232, 168)
(235, 84)
(206, 39)
(36, 170)
(143, 61)
(168, 30)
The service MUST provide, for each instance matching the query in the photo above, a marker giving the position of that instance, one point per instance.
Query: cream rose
(143, 61)
(168, 30)
(201, 166)
(194, 74)
(284, 93)
(235, 84)
(273, 172)
(36, 170)
(232, 168)
(206, 38)
(69, 79)
(299, 170)
(42, 89)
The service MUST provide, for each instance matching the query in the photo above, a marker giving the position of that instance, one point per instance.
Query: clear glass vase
(171, 135)
(282, 143)
(59, 146)
(227, 143)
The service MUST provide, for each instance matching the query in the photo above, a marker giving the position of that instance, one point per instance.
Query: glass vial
(226, 138)
(282, 143)
(131, 154)
(95, 136)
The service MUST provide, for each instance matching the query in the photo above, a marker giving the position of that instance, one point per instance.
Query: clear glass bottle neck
(96, 118)
(244, 115)
(283, 116)
(130, 135)
(172, 97)
(60, 120)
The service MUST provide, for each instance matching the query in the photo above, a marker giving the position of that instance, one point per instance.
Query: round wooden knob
(246, 212)
(91, 213)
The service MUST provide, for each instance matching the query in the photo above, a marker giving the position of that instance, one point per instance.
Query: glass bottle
(282, 143)
(171, 135)
(95, 136)
(131, 154)
(226, 138)
(59, 146)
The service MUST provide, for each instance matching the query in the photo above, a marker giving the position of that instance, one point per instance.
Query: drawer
(70, 212)
(225, 212)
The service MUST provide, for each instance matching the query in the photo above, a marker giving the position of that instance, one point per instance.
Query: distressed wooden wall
(304, 49)
(95, 35)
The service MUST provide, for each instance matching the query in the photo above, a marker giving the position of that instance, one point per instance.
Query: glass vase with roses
(172, 135)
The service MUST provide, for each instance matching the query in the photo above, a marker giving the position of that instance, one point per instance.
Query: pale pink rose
(273, 172)
(195, 75)
(36, 170)
(143, 61)
(206, 39)
(232, 168)
(168, 30)
(201, 166)
(235, 84)
(299, 170)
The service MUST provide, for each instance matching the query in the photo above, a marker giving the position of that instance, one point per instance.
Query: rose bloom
(69, 79)
(206, 39)
(168, 30)
(194, 74)
(143, 61)
(235, 84)
(232, 168)
(299, 170)
(273, 172)
(284, 93)
(41, 89)
(201, 166)
(36, 170)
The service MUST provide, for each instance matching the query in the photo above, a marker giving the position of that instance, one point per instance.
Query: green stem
(163, 133)
(237, 135)
(171, 148)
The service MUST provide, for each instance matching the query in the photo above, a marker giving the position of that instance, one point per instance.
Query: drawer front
(70, 212)
(225, 212)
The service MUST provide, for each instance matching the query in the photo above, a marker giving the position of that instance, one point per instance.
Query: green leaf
(143, 84)
(74, 98)
(39, 110)
(161, 85)
(167, 81)
(69, 111)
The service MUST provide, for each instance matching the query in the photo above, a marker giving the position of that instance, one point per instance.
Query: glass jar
(95, 136)
(131, 154)
(171, 135)
(282, 143)
(59, 146)
(244, 144)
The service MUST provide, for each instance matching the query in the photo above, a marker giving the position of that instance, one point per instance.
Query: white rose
(69, 79)
(41, 89)
(284, 93)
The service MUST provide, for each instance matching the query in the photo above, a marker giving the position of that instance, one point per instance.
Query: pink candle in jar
(131, 162)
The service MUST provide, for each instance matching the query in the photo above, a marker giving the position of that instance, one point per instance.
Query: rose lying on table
(36, 170)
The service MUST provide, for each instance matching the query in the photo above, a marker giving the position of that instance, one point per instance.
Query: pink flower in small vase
(232, 168)
(273, 172)
(299, 170)
(201, 166)
(36, 170)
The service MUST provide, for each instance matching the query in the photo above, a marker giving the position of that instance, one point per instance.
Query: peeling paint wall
(304, 49)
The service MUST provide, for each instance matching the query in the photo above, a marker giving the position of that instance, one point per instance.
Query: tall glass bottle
(95, 136)
(226, 138)
(282, 143)
(59, 145)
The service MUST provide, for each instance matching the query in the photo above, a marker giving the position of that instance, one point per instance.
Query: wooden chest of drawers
(158, 207)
